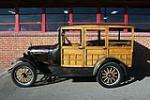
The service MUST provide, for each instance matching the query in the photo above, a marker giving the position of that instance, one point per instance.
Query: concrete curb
(2, 73)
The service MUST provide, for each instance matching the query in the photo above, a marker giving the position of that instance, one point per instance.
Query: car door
(96, 48)
(72, 50)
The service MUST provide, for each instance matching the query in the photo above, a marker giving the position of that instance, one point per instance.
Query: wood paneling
(124, 54)
(72, 57)
(92, 56)
(87, 56)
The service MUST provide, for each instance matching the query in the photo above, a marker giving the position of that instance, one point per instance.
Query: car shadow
(140, 69)
(141, 66)
(45, 81)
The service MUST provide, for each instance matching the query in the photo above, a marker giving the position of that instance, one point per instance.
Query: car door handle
(80, 47)
(104, 48)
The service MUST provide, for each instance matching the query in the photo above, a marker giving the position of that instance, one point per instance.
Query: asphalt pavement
(67, 89)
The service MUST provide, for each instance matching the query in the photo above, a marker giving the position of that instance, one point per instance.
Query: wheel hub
(24, 75)
(109, 75)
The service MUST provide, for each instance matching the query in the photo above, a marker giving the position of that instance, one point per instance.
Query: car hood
(42, 47)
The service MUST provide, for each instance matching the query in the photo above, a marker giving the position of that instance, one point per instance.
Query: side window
(120, 37)
(95, 38)
(71, 38)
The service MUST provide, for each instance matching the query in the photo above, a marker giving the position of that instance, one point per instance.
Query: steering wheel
(65, 39)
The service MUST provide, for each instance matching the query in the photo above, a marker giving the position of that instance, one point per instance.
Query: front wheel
(110, 75)
(23, 74)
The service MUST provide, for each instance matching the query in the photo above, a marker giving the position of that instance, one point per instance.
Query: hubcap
(110, 75)
(23, 75)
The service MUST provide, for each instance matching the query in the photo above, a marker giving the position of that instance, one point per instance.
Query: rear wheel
(23, 74)
(110, 75)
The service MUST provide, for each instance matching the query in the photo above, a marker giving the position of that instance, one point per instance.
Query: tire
(23, 74)
(110, 75)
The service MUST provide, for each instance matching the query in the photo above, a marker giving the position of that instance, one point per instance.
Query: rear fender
(98, 65)
(108, 59)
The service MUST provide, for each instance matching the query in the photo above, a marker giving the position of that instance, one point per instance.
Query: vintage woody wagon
(102, 51)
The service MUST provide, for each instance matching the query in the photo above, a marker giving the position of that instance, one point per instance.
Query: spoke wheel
(23, 74)
(110, 75)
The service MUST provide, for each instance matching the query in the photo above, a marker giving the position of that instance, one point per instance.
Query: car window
(71, 38)
(95, 38)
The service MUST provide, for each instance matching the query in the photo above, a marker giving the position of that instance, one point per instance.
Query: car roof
(95, 26)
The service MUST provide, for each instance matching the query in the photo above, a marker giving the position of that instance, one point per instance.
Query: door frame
(81, 47)
(105, 29)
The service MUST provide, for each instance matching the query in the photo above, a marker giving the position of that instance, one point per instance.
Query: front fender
(37, 65)
(26, 58)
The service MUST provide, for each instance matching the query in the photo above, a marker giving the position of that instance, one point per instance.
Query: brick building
(35, 22)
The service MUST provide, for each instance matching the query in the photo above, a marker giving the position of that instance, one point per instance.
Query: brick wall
(12, 47)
